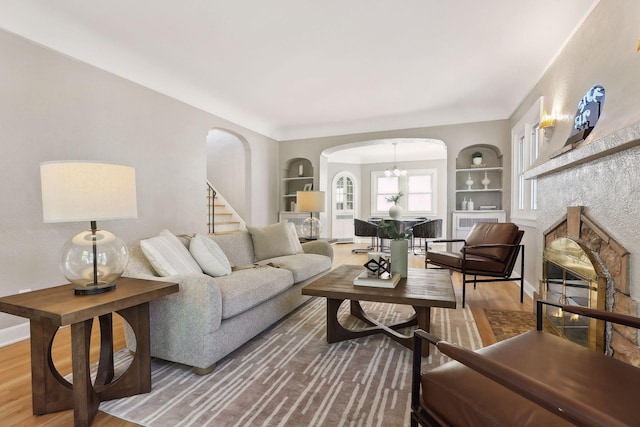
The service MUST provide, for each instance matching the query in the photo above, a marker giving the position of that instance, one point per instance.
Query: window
(418, 189)
(525, 141)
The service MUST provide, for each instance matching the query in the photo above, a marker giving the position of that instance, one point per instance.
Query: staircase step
(226, 226)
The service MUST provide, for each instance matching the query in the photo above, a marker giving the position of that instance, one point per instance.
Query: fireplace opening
(571, 277)
(584, 265)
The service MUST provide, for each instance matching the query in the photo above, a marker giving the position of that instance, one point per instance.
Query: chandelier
(395, 171)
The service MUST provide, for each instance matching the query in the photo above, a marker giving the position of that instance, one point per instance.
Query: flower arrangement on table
(395, 199)
(391, 230)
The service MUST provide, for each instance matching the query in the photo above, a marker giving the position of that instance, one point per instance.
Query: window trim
(403, 185)
(526, 137)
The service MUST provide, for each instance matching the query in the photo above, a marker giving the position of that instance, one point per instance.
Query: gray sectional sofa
(212, 316)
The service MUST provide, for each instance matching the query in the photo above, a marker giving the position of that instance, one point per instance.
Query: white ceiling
(383, 151)
(300, 68)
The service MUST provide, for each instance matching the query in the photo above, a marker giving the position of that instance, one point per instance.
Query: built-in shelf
(480, 169)
(295, 177)
(490, 167)
(480, 190)
(298, 178)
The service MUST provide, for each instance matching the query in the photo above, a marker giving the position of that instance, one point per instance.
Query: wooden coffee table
(422, 289)
(48, 309)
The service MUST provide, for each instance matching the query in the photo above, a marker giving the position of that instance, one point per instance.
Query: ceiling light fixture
(395, 171)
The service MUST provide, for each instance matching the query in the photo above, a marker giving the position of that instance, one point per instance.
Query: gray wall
(602, 51)
(456, 137)
(55, 108)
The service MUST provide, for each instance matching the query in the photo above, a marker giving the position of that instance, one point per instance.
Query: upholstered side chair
(488, 254)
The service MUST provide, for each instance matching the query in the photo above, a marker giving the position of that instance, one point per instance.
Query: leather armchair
(490, 250)
(536, 378)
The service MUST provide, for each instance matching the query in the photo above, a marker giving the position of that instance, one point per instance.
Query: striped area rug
(290, 376)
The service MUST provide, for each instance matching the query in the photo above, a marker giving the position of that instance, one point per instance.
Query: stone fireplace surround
(613, 261)
(603, 176)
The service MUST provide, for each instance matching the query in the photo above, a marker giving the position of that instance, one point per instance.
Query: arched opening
(364, 159)
(229, 169)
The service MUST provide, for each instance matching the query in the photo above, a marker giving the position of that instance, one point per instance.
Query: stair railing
(211, 195)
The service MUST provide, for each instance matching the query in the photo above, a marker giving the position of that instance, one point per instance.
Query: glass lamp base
(92, 289)
(311, 228)
(93, 260)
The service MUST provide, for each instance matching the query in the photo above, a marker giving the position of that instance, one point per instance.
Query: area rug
(506, 324)
(290, 376)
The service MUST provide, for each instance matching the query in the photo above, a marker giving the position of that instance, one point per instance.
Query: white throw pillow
(209, 256)
(168, 255)
(271, 241)
(294, 239)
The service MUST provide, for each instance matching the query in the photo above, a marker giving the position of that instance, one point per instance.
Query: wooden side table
(48, 309)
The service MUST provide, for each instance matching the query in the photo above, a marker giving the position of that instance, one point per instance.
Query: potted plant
(476, 158)
(399, 246)
(395, 211)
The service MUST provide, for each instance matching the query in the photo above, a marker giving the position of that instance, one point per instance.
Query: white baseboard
(13, 334)
(528, 289)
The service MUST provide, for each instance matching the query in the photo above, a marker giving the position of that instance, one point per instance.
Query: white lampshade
(90, 191)
(87, 191)
(310, 201)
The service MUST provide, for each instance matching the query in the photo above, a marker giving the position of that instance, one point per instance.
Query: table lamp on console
(90, 191)
(311, 201)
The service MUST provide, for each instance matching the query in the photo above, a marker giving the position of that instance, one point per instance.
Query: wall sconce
(547, 124)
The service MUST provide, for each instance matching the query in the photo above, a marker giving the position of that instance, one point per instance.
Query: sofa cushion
(237, 246)
(168, 255)
(303, 266)
(492, 233)
(249, 287)
(209, 256)
(271, 241)
(294, 239)
(474, 263)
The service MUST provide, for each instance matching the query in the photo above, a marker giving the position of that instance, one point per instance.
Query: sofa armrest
(542, 394)
(318, 247)
(191, 313)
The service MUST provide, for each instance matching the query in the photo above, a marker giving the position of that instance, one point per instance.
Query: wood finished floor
(15, 361)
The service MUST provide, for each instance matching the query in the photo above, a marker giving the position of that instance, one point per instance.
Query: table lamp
(90, 191)
(311, 201)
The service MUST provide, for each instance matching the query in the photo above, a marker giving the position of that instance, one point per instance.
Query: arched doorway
(364, 159)
(229, 169)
